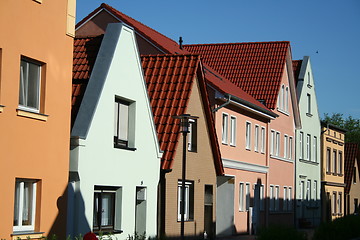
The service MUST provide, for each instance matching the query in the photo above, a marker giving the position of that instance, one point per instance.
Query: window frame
(328, 160)
(340, 163)
(241, 196)
(192, 136)
(286, 137)
(20, 205)
(272, 142)
(224, 129)
(233, 130)
(100, 191)
(256, 140)
(189, 201)
(247, 196)
(308, 147)
(334, 158)
(248, 135)
(315, 151)
(277, 144)
(263, 140)
(291, 147)
(301, 142)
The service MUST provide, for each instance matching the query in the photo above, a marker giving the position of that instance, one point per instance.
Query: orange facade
(35, 91)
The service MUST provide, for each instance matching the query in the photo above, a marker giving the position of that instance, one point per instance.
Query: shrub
(279, 232)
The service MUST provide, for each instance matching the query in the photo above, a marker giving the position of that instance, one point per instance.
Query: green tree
(352, 125)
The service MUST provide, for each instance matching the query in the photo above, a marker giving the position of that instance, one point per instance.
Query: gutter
(223, 105)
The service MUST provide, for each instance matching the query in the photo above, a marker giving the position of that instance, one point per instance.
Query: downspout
(223, 105)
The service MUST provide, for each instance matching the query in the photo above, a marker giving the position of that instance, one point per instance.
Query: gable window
(30, 79)
(123, 123)
(328, 161)
(309, 105)
(263, 137)
(340, 163)
(192, 138)
(308, 80)
(225, 128)
(248, 135)
(256, 143)
(308, 144)
(25, 205)
(188, 201)
(301, 142)
(233, 131)
(107, 208)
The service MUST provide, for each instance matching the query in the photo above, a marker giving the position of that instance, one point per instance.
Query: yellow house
(35, 93)
(332, 171)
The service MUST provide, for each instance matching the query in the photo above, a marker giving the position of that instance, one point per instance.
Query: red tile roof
(169, 81)
(84, 56)
(296, 69)
(351, 153)
(256, 67)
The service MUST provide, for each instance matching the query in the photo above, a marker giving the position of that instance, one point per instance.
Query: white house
(115, 156)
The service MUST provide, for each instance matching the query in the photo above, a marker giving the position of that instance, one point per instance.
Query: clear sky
(326, 30)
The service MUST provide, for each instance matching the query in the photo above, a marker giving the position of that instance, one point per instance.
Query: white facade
(97, 167)
(308, 165)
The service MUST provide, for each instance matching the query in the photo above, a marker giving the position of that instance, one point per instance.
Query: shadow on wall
(71, 220)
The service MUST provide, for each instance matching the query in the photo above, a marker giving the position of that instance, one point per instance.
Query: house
(35, 93)
(115, 154)
(264, 70)
(352, 189)
(332, 171)
(176, 86)
(308, 164)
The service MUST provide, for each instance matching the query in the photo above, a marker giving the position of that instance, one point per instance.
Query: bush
(344, 228)
(280, 233)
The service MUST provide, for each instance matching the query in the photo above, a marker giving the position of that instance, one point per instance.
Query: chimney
(180, 43)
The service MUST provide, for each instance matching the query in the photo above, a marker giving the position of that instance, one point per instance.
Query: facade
(121, 140)
(307, 176)
(352, 188)
(332, 171)
(35, 68)
(280, 98)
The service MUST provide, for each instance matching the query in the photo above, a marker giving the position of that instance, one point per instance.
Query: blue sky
(331, 28)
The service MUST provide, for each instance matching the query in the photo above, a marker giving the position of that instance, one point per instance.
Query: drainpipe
(223, 105)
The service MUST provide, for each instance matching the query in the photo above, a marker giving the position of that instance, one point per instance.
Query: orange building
(35, 92)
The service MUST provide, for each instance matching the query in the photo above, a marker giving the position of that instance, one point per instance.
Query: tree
(352, 125)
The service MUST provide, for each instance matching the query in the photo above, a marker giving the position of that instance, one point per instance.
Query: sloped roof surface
(84, 56)
(351, 154)
(296, 68)
(256, 67)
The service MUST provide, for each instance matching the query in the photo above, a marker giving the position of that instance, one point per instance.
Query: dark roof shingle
(351, 154)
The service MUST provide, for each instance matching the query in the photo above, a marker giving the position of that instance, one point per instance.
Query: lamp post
(184, 129)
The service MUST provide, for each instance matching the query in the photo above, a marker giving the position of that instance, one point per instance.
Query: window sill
(125, 148)
(309, 114)
(308, 162)
(283, 112)
(107, 232)
(224, 143)
(27, 235)
(38, 1)
(33, 115)
(248, 149)
(282, 159)
(309, 86)
(1, 108)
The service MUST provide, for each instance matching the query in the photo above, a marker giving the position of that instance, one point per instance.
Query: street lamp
(184, 128)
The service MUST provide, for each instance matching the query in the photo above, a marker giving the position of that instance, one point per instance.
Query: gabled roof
(256, 67)
(351, 154)
(170, 79)
(169, 46)
(84, 56)
(296, 68)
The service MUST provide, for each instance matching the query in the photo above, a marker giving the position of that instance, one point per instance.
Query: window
(233, 131)
(328, 161)
(192, 138)
(256, 144)
(262, 198)
(308, 104)
(315, 149)
(308, 144)
(70, 19)
(225, 128)
(277, 143)
(356, 205)
(301, 142)
(309, 81)
(286, 99)
(285, 146)
(272, 142)
(121, 122)
(277, 200)
(189, 201)
(247, 191)
(241, 196)
(308, 191)
(285, 199)
(29, 92)
(301, 192)
(355, 173)
(339, 166)
(290, 147)
(248, 135)
(290, 199)
(282, 97)
(25, 205)
(315, 191)
(272, 198)
(334, 162)
(334, 203)
(263, 137)
(340, 203)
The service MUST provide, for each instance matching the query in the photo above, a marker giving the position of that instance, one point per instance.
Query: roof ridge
(238, 43)
(89, 36)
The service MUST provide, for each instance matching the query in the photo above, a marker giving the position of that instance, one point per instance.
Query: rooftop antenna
(180, 42)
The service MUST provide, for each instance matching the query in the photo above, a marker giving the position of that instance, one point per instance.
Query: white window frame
(285, 199)
(286, 99)
(315, 190)
(256, 143)
(340, 162)
(20, 207)
(308, 191)
(263, 139)
(286, 146)
(308, 147)
(291, 147)
(271, 198)
(277, 198)
(224, 129)
(290, 198)
(192, 136)
(282, 97)
(277, 144)
(247, 196)
(188, 185)
(315, 152)
(308, 104)
(301, 142)
(301, 192)
(25, 66)
(248, 135)
(272, 142)
(233, 131)
(241, 196)
(262, 197)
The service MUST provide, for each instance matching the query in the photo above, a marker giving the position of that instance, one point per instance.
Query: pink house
(262, 170)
